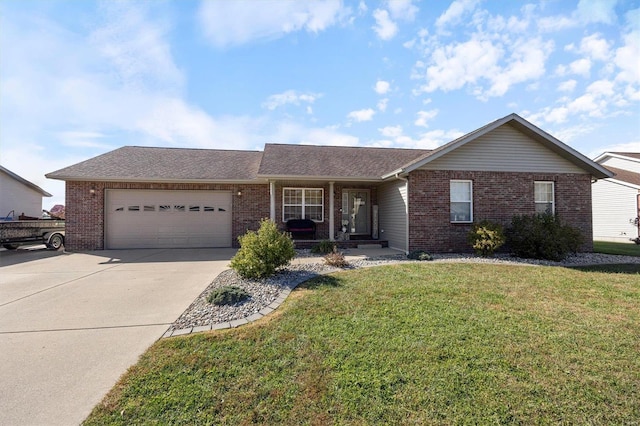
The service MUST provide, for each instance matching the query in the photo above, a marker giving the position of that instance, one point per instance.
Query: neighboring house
(19, 196)
(616, 201)
(406, 198)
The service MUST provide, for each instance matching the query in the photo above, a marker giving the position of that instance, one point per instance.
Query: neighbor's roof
(626, 176)
(635, 155)
(25, 182)
(526, 128)
(313, 161)
(134, 163)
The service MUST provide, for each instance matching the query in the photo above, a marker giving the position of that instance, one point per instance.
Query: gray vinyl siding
(392, 202)
(613, 206)
(504, 149)
(621, 163)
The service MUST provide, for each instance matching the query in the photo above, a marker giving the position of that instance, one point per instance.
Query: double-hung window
(461, 200)
(303, 203)
(544, 197)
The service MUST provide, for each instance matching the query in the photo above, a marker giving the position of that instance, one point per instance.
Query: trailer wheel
(10, 246)
(55, 241)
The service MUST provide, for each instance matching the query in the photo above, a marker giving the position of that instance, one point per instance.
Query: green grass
(625, 249)
(407, 344)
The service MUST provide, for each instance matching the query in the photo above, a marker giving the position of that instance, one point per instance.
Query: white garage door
(167, 219)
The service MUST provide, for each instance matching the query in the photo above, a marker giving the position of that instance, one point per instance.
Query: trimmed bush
(323, 247)
(543, 236)
(486, 237)
(227, 295)
(419, 255)
(263, 252)
(336, 258)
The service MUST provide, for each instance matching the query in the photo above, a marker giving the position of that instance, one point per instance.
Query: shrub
(336, 258)
(227, 295)
(486, 237)
(543, 236)
(324, 247)
(419, 255)
(262, 252)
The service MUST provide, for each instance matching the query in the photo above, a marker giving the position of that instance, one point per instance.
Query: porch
(346, 244)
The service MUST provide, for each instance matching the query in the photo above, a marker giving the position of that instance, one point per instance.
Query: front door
(356, 211)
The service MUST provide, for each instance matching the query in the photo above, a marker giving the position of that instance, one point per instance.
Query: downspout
(272, 201)
(406, 213)
(331, 212)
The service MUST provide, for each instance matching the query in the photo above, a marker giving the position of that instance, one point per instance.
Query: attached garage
(167, 219)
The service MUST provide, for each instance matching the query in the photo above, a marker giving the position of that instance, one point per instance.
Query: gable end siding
(504, 149)
(497, 196)
(393, 214)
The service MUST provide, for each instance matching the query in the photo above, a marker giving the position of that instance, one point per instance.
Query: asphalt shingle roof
(139, 163)
(625, 175)
(333, 161)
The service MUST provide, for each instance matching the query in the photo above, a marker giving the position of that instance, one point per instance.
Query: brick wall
(497, 196)
(85, 211)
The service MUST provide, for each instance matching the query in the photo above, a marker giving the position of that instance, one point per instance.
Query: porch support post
(332, 212)
(272, 201)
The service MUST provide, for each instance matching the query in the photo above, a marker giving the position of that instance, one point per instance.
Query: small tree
(262, 252)
(486, 237)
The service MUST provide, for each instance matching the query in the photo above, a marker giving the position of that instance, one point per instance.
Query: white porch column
(272, 201)
(332, 212)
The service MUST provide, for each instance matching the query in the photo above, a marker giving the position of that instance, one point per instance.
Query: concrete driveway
(72, 323)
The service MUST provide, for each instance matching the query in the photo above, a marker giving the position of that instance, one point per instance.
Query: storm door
(356, 211)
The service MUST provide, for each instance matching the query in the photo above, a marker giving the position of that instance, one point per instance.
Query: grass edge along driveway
(406, 344)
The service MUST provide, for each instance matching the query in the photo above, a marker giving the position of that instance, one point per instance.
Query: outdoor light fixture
(92, 191)
(239, 193)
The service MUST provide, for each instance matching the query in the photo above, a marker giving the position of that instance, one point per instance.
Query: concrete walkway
(71, 324)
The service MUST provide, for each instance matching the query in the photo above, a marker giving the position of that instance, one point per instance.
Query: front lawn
(407, 344)
(624, 249)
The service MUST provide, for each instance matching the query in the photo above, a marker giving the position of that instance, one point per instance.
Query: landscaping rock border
(268, 294)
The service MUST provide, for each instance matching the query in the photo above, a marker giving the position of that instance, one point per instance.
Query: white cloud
(462, 63)
(626, 58)
(456, 11)
(402, 9)
(294, 133)
(581, 67)
(596, 11)
(231, 23)
(567, 86)
(382, 104)
(137, 47)
(424, 117)
(362, 115)
(620, 147)
(289, 97)
(595, 47)
(391, 131)
(385, 27)
(382, 87)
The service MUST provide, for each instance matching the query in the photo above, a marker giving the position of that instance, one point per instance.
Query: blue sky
(78, 79)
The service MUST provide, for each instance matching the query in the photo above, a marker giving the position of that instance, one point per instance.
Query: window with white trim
(303, 203)
(461, 201)
(543, 192)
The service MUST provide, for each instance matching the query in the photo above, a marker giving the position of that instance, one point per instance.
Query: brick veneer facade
(497, 196)
(85, 212)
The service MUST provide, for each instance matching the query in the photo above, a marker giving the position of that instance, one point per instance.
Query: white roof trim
(613, 155)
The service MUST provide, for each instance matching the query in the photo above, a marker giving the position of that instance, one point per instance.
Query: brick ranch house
(408, 199)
